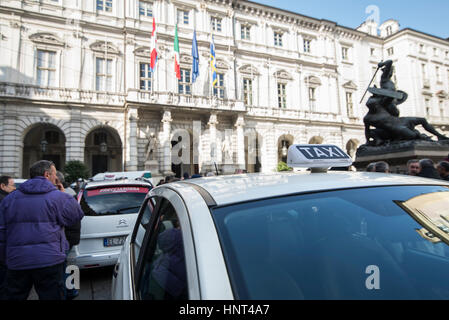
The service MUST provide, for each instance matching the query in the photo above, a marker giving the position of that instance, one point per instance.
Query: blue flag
(213, 64)
(196, 58)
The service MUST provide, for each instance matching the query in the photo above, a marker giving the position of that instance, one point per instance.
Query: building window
(390, 51)
(104, 5)
(52, 137)
(184, 86)
(427, 105)
(248, 91)
(219, 88)
(373, 51)
(421, 48)
(103, 74)
(216, 24)
(145, 9)
(438, 74)
(389, 31)
(278, 39)
(183, 16)
(145, 77)
(441, 104)
(349, 104)
(282, 95)
(345, 53)
(246, 32)
(435, 52)
(307, 45)
(312, 99)
(46, 68)
(424, 71)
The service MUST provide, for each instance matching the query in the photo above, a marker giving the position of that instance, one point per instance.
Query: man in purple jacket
(32, 240)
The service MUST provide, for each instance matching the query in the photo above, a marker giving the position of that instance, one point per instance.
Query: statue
(151, 147)
(226, 150)
(383, 114)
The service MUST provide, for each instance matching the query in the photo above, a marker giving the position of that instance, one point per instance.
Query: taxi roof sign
(317, 156)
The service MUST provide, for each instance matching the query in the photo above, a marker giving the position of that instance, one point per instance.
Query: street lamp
(44, 144)
(103, 147)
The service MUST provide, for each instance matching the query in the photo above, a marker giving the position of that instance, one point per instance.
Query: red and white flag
(153, 47)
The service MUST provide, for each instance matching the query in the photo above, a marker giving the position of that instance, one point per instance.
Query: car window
(113, 200)
(142, 227)
(163, 275)
(345, 244)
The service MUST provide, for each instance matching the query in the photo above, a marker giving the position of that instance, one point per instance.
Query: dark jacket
(73, 233)
(429, 172)
(32, 221)
(3, 194)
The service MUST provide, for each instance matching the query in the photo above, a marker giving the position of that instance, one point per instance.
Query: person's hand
(59, 185)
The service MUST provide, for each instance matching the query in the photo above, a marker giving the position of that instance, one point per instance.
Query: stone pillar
(164, 138)
(131, 135)
(75, 146)
(240, 125)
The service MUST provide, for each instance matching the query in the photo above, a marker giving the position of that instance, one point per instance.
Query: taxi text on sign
(300, 155)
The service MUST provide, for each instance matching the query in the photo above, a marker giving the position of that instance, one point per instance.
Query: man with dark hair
(6, 186)
(32, 240)
(370, 167)
(382, 166)
(428, 169)
(413, 167)
(443, 170)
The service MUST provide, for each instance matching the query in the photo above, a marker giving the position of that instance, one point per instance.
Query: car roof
(121, 182)
(240, 188)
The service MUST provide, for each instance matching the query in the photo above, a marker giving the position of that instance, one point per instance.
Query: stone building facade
(75, 83)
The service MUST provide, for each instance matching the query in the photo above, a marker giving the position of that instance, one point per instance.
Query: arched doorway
(351, 147)
(182, 154)
(284, 142)
(103, 151)
(43, 141)
(316, 140)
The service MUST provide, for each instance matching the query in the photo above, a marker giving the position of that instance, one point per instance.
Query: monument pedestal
(153, 166)
(397, 154)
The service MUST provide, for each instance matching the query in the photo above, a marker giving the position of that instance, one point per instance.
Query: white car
(295, 235)
(110, 211)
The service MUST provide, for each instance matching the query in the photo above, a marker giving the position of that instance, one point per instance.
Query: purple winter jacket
(31, 225)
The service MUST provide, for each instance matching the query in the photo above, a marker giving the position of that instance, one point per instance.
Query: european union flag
(213, 63)
(196, 58)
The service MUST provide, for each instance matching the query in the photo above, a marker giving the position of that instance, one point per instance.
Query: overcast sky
(431, 16)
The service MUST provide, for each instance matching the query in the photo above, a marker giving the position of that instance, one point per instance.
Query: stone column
(75, 146)
(240, 125)
(164, 138)
(131, 135)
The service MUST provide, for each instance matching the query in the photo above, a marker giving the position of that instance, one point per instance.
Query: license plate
(114, 241)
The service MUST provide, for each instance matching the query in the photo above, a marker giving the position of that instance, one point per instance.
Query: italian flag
(176, 46)
(153, 47)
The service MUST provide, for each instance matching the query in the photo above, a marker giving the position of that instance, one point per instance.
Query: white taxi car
(110, 211)
(295, 235)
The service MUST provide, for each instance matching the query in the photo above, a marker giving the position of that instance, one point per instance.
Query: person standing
(428, 169)
(32, 240)
(72, 233)
(382, 166)
(443, 170)
(6, 187)
(413, 167)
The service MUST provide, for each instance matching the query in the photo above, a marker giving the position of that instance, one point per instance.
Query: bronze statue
(383, 114)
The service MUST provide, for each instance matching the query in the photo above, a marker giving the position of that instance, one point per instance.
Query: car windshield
(113, 200)
(348, 244)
